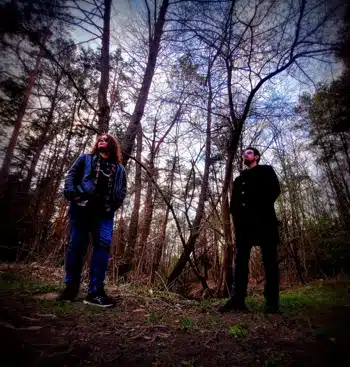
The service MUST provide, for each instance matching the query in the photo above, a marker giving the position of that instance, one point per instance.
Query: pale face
(102, 142)
(249, 157)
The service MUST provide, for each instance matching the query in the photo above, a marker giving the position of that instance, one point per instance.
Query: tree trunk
(337, 189)
(159, 245)
(344, 141)
(343, 178)
(149, 200)
(227, 270)
(129, 138)
(204, 256)
(145, 227)
(18, 123)
(65, 155)
(103, 107)
(42, 140)
(120, 239)
(195, 227)
(161, 241)
(134, 221)
(235, 134)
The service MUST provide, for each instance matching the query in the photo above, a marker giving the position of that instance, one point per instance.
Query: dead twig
(210, 339)
(140, 334)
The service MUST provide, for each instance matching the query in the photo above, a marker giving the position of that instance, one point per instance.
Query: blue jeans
(85, 221)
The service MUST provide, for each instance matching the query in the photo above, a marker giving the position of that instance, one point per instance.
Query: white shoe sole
(95, 304)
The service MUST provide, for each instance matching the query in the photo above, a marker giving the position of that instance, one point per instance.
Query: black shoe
(233, 305)
(68, 294)
(100, 299)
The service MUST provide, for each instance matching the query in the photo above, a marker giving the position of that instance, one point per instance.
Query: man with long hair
(95, 186)
(254, 193)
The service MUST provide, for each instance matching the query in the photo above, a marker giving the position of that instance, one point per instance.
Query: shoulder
(85, 156)
(81, 158)
(120, 168)
(238, 178)
(266, 168)
(268, 171)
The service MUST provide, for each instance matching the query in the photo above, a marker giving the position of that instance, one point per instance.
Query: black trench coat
(254, 193)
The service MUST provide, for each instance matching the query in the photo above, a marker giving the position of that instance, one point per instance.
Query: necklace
(106, 174)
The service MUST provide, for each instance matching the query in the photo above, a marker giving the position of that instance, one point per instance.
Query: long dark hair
(113, 148)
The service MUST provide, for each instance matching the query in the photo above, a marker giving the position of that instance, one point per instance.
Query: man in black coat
(252, 207)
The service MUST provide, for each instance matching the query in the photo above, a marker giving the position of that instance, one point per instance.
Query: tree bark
(149, 200)
(42, 141)
(158, 250)
(120, 239)
(134, 221)
(145, 226)
(103, 107)
(127, 143)
(195, 227)
(18, 122)
(227, 270)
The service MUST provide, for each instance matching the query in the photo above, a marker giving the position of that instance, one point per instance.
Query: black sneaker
(68, 294)
(233, 305)
(100, 299)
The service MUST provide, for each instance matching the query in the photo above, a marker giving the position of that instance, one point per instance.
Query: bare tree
(19, 120)
(155, 37)
(104, 109)
(196, 224)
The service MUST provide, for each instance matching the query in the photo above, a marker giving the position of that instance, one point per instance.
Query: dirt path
(164, 330)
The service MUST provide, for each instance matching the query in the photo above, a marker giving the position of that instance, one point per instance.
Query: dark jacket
(80, 181)
(254, 193)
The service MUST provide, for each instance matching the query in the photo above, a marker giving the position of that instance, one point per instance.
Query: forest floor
(152, 328)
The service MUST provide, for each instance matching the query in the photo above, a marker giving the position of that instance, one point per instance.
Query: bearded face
(249, 158)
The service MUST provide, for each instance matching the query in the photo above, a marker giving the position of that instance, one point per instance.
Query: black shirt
(99, 199)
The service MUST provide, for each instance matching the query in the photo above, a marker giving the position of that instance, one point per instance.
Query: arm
(71, 192)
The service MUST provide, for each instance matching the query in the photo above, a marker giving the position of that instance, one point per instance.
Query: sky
(284, 84)
(120, 10)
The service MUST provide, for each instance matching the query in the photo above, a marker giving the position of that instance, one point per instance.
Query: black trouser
(269, 257)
